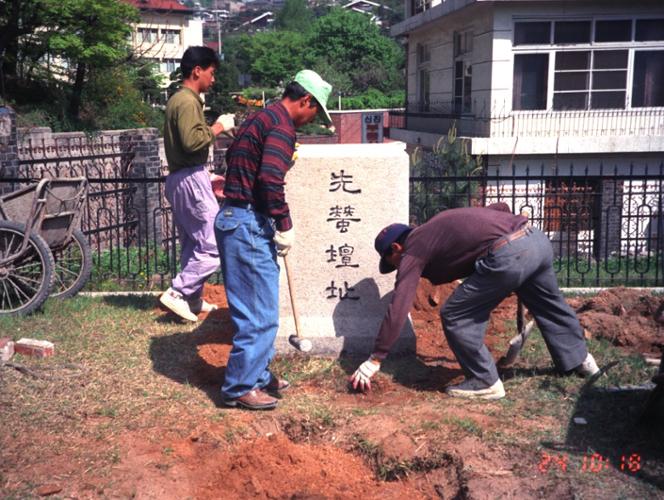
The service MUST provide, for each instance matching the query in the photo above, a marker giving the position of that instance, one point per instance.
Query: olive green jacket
(186, 135)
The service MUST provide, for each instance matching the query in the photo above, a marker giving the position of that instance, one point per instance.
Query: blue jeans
(524, 266)
(251, 277)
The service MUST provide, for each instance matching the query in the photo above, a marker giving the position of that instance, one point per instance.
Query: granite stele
(340, 198)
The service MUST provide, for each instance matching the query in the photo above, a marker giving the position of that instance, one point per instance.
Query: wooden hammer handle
(291, 293)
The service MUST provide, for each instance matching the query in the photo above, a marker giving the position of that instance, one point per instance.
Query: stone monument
(340, 197)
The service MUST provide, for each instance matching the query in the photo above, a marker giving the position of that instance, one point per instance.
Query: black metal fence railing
(605, 224)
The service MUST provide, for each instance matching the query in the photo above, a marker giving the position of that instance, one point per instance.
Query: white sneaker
(200, 305)
(588, 368)
(473, 388)
(174, 301)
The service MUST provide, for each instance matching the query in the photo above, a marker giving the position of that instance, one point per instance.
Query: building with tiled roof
(166, 29)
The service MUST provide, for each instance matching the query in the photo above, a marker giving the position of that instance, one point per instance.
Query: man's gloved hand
(227, 121)
(362, 376)
(284, 241)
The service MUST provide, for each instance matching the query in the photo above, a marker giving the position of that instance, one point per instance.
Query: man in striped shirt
(253, 227)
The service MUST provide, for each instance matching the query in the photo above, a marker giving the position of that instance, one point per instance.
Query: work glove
(284, 241)
(362, 376)
(227, 121)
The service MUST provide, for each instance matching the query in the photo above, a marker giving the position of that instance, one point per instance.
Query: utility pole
(217, 13)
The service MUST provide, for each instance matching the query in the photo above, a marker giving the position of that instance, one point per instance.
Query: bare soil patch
(405, 439)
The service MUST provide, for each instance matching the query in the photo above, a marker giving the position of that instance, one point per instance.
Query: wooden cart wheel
(73, 265)
(25, 279)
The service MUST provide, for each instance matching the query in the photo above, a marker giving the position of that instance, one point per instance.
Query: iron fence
(605, 224)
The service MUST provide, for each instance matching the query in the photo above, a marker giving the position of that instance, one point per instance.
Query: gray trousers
(189, 191)
(524, 266)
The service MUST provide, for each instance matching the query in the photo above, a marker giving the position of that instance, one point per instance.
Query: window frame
(632, 46)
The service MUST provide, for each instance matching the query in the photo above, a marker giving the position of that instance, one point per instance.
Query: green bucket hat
(317, 87)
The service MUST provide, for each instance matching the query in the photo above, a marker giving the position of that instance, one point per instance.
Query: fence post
(146, 165)
(8, 148)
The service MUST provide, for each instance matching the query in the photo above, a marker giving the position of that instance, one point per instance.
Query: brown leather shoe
(277, 385)
(253, 400)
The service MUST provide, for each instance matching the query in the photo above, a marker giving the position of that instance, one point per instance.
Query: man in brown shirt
(498, 253)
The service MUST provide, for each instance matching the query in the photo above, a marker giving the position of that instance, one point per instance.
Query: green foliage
(295, 15)
(275, 56)
(314, 129)
(89, 31)
(225, 81)
(344, 47)
(455, 167)
(371, 99)
(352, 44)
(259, 92)
(112, 100)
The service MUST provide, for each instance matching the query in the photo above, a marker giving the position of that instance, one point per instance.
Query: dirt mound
(625, 317)
(274, 467)
(431, 341)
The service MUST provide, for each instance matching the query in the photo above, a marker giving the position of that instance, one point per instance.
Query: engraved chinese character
(342, 181)
(344, 293)
(343, 216)
(344, 253)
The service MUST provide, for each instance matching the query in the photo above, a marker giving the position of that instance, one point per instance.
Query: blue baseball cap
(384, 241)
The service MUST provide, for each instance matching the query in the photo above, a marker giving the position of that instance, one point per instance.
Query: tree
(275, 56)
(88, 33)
(350, 43)
(295, 15)
(17, 18)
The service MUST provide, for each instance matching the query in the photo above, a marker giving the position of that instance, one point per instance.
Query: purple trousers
(194, 207)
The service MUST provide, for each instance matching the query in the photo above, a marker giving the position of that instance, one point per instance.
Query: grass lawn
(129, 406)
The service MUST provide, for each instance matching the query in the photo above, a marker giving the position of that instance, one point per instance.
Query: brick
(32, 347)
(6, 349)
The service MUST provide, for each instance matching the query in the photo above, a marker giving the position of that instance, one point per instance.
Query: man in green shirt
(187, 139)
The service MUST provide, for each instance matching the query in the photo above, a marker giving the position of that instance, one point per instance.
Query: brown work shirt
(441, 250)
(187, 137)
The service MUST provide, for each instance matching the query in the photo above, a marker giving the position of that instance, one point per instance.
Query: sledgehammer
(297, 341)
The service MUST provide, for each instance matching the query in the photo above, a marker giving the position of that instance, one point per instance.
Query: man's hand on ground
(284, 241)
(362, 377)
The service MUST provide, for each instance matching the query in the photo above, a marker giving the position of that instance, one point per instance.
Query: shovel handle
(291, 293)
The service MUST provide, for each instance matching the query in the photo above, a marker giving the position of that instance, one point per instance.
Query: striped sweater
(258, 160)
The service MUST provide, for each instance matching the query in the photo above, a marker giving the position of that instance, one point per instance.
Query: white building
(573, 88)
(164, 32)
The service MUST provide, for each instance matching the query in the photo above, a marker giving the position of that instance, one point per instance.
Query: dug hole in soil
(277, 462)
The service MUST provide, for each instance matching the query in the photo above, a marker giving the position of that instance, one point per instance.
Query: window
(423, 77)
(530, 81)
(463, 71)
(590, 64)
(566, 32)
(171, 36)
(418, 6)
(532, 33)
(648, 83)
(577, 86)
(463, 82)
(169, 65)
(463, 43)
(649, 30)
(147, 35)
(613, 31)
